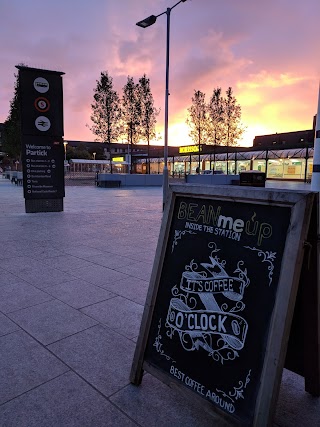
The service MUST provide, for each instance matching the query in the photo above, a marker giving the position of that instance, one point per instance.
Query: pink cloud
(248, 45)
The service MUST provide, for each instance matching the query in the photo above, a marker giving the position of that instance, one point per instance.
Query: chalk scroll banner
(222, 295)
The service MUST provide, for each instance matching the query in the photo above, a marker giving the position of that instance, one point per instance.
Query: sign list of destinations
(43, 169)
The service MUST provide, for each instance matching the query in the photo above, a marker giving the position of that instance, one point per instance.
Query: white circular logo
(42, 123)
(41, 85)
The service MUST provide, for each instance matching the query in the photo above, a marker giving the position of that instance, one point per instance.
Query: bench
(109, 183)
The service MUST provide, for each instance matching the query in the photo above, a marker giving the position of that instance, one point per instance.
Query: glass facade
(258, 165)
(278, 164)
(290, 164)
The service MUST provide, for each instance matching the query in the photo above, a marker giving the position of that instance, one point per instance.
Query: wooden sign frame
(299, 205)
(303, 351)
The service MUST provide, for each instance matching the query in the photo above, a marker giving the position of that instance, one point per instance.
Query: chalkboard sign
(222, 294)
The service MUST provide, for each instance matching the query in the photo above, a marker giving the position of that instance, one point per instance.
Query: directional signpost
(42, 139)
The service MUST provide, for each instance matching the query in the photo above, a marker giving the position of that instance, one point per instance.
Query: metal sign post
(42, 139)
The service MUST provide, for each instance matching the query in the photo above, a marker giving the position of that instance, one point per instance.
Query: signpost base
(44, 205)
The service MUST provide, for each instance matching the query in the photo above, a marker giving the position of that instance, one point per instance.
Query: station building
(286, 156)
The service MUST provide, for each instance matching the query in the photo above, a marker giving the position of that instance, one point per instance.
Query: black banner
(41, 102)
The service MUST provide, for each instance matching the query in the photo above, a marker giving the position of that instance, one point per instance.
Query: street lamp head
(147, 21)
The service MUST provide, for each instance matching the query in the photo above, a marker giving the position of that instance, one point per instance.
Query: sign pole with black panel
(42, 139)
(221, 297)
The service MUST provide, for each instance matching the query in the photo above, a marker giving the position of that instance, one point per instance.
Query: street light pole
(131, 130)
(131, 124)
(65, 143)
(315, 179)
(144, 24)
(166, 116)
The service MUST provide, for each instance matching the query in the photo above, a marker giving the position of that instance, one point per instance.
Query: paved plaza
(72, 291)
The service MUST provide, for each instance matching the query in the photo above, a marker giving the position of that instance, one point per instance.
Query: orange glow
(270, 103)
(273, 100)
(268, 80)
(267, 53)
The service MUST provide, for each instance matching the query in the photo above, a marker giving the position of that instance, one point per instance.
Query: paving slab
(82, 251)
(78, 293)
(131, 288)
(24, 365)
(18, 262)
(98, 275)
(140, 270)
(100, 356)
(111, 260)
(43, 277)
(51, 321)
(7, 278)
(42, 252)
(295, 406)
(155, 404)
(66, 401)
(145, 255)
(6, 325)
(33, 271)
(20, 295)
(8, 251)
(66, 262)
(119, 314)
(139, 255)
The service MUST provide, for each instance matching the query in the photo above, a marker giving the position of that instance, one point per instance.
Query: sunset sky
(267, 51)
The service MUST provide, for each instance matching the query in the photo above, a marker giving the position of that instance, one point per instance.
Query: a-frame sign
(221, 298)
